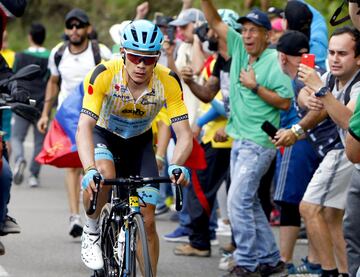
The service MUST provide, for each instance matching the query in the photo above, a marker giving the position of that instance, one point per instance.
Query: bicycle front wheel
(113, 266)
(139, 248)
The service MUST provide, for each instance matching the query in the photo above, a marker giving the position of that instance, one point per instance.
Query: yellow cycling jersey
(108, 100)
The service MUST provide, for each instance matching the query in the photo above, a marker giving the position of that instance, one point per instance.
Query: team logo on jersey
(117, 87)
(136, 112)
(90, 90)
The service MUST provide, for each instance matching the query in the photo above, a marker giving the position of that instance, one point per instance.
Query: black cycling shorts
(133, 156)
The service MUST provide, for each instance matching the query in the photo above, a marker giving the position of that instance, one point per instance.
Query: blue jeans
(255, 242)
(5, 185)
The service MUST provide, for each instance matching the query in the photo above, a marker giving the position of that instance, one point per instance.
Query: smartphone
(268, 128)
(308, 59)
(171, 32)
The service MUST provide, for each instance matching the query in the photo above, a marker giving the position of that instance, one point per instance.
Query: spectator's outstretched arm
(355, 18)
(142, 10)
(214, 19)
(197, 56)
(187, 4)
(170, 48)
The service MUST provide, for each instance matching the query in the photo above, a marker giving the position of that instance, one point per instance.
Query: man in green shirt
(258, 91)
(353, 136)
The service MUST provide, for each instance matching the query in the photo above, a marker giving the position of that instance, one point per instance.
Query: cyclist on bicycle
(121, 99)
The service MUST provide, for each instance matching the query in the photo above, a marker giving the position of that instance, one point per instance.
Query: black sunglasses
(78, 25)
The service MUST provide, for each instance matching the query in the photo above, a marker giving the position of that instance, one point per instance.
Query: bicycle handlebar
(139, 182)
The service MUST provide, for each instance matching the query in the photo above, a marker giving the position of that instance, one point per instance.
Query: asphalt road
(44, 248)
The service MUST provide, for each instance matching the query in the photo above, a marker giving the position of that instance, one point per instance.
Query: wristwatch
(255, 89)
(297, 130)
(322, 91)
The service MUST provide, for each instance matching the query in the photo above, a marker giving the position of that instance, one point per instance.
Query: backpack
(95, 49)
(330, 82)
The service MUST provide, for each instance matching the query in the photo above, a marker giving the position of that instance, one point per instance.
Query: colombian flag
(59, 147)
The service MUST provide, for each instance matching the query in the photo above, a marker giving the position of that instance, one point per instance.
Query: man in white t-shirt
(70, 62)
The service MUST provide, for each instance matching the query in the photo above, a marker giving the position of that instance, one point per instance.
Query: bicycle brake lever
(178, 190)
(93, 202)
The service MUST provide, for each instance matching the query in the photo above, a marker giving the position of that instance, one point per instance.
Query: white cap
(116, 29)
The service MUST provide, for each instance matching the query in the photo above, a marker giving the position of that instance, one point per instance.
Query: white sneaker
(226, 262)
(214, 242)
(75, 228)
(33, 181)
(90, 250)
(223, 229)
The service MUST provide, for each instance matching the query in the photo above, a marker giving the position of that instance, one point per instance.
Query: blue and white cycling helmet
(142, 35)
(230, 17)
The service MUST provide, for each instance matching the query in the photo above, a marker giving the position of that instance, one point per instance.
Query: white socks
(92, 225)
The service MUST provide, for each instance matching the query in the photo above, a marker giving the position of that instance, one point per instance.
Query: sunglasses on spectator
(77, 25)
(138, 58)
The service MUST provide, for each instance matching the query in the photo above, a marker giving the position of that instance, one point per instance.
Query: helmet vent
(133, 32)
(153, 37)
(144, 36)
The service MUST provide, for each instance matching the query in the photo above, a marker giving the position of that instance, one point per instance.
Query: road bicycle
(123, 235)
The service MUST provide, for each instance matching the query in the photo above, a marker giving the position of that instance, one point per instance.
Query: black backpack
(95, 49)
(330, 81)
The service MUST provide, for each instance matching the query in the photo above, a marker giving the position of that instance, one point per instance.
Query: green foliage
(105, 13)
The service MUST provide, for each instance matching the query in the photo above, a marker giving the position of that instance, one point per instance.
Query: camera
(202, 31)
(171, 31)
(163, 22)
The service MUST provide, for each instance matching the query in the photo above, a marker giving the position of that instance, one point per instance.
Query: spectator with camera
(335, 95)
(298, 162)
(170, 40)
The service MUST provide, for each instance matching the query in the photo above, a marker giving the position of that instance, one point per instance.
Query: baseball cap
(275, 12)
(78, 14)
(293, 43)
(298, 16)
(187, 16)
(258, 18)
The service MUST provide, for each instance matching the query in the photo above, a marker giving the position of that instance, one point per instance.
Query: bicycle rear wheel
(139, 248)
(109, 243)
